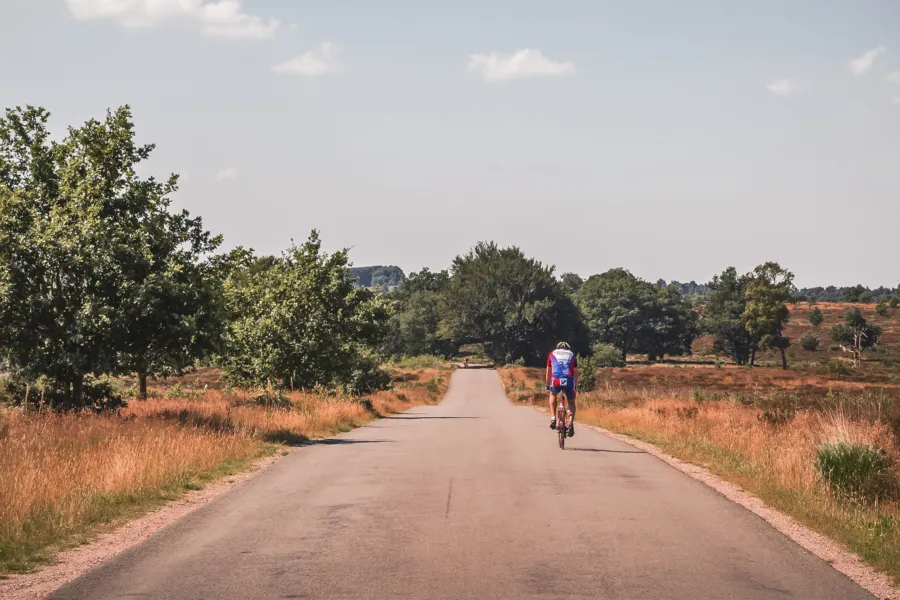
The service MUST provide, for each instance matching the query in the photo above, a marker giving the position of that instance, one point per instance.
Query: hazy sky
(671, 138)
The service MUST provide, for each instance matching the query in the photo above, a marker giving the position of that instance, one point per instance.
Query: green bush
(815, 317)
(587, 374)
(366, 377)
(881, 309)
(810, 342)
(895, 301)
(856, 469)
(835, 367)
(607, 356)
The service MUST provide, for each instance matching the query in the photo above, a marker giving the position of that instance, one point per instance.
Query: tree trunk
(753, 357)
(142, 385)
(783, 360)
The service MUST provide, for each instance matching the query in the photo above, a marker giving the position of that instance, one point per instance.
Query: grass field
(66, 477)
(766, 429)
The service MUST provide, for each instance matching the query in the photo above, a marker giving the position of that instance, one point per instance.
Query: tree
(895, 301)
(571, 283)
(815, 317)
(766, 314)
(854, 293)
(810, 342)
(881, 309)
(414, 329)
(510, 303)
(78, 229)
(173, 314)
(723, 316)
(301, 322)
(856, 335)
(617, 309)
(670, 327)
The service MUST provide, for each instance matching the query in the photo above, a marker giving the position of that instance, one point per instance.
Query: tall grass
(755, 440)
(64, 475)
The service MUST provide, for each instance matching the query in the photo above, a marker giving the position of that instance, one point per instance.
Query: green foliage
(510, 303)
(365, 377)
(810, 342)
(414, 329)
(723, 316)
(859, 470)
(302, 323)
(856, 293)
(881, 309)
(96, 275)
(766, 314)
(587, 374)
(636, 316)
(607, 356)
(570, 283)
(857, 335)
(895, 302)
(816, 318)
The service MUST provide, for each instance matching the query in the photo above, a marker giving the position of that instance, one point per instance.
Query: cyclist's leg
(570, 397)
(553, 404)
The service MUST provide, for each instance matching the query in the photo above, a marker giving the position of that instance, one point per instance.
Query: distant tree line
(856, 293)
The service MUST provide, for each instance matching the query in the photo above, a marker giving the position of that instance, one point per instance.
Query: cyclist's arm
(548, 376)
(575, 376)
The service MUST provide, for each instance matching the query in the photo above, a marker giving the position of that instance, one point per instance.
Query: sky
(670, 138)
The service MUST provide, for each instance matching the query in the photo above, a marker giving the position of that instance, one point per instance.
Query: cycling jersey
(562, 363)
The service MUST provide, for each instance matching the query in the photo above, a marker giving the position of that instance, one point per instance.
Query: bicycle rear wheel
(561, 428)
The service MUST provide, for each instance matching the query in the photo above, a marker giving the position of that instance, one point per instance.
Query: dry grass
(765, 443)
(65, 476)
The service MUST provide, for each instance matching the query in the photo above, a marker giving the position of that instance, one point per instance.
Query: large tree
(636, 316)
(768, 290)
(79, 236)
(510, 303)
(671, 327)
(301, 322)
(723, 316)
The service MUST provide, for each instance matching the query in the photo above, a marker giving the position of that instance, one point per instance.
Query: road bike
(562, 418)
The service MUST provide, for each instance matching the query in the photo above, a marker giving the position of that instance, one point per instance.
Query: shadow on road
(417, 418)
(342, 442)
(610, 451)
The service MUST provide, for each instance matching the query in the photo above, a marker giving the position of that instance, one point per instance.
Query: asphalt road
(469, 499)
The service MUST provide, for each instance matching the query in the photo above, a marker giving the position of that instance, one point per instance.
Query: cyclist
(562, 375)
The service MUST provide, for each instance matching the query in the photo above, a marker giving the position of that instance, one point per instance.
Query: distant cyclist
(562, 374)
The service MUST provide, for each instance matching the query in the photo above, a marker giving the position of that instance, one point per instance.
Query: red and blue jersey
(562, 363)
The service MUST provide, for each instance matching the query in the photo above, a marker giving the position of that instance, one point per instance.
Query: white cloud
(314, 63)
(222, 18)
(862, 64)
(894, 77)
(782, 87)
(496, 67)
(229, 174)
